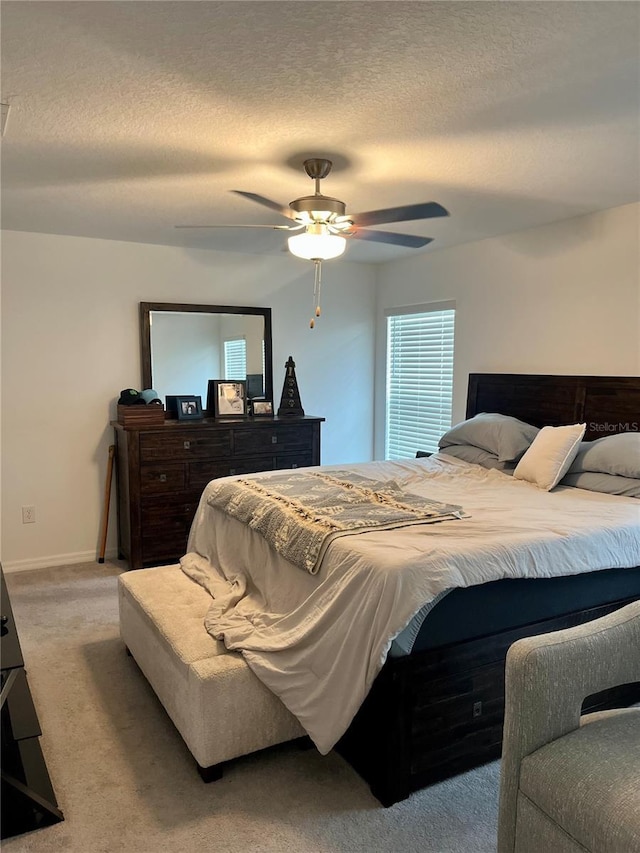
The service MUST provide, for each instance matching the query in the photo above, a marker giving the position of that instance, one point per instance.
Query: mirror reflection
(188, 345)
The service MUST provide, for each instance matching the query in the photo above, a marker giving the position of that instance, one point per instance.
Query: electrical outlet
(28, 515)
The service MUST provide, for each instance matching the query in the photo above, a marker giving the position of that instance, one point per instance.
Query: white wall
(70, 343)
(563, 298)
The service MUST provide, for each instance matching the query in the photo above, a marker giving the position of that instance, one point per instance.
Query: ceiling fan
(325, 226)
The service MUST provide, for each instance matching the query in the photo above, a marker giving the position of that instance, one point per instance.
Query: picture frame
(262, 409)
(227, 398)
(189, 408)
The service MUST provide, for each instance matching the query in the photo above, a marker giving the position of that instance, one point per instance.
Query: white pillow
(548, 459)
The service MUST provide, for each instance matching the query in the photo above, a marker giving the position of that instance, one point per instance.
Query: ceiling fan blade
(410, 240)
(426, 210)
(266, 202)
(272, 227)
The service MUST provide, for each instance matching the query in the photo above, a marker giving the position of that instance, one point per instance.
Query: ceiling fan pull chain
(317, 284)
(319, 279)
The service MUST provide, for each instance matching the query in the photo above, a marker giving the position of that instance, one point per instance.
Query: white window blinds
(419, 378)
(235, 359)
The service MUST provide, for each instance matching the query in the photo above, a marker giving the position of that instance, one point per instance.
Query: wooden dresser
(162, 470)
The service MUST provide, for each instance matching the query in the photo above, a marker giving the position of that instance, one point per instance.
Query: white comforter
(318, 641)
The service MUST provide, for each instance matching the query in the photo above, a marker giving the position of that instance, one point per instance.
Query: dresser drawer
(163, 478)
(470, 702)
(164, 548)
(201, 473)
(185, 444)
(278, 439)
(165, 527)
(294, 460)
(173, 513)
(252, 466)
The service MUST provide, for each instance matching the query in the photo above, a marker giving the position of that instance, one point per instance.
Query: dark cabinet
(162, 471)
(28, 799)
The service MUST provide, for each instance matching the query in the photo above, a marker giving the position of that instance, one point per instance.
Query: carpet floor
(127, 783)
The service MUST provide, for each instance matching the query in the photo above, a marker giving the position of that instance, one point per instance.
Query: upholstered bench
(214, 700)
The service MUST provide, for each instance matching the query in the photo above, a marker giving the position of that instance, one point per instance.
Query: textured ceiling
(130, 117)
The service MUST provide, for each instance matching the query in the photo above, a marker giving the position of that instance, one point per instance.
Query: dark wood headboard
(607, 404)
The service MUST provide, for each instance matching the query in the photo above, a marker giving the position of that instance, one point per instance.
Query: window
(419, 377)
(235, 359)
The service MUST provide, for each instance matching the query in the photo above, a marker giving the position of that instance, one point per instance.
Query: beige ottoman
(217, 704)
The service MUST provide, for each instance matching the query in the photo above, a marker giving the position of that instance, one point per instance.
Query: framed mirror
(184, 346)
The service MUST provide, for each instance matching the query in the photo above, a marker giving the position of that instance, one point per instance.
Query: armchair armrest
(547, 679)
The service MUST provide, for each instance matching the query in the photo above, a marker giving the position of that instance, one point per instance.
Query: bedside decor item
(227, 399)
(171, 405)
(262, 409)
(139, 408)
(189, 408)
(150, 396)
(290, 404)
(131, 397)
(132, 417)
(255, 386)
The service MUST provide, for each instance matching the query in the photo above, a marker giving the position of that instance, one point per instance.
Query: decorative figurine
(290, 404)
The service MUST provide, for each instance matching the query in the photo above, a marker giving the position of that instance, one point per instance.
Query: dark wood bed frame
(438, 712)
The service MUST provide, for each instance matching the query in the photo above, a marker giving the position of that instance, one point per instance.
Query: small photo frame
(227, 398)
(189, 408)
(262, 409)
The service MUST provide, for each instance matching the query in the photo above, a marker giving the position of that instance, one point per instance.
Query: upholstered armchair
(568, 783)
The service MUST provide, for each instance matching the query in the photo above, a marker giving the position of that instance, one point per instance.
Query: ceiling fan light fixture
(319, 207)
(317, 244)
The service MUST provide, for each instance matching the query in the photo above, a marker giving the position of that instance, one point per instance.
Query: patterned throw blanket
(300, 513)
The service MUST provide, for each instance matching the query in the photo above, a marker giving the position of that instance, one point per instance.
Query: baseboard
(56, 560)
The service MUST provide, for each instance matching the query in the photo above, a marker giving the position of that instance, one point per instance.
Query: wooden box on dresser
(162, 470)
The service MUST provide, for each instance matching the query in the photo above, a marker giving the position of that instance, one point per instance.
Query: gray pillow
(611, 484)
(477, 456)
(613, 454)
(504, 436)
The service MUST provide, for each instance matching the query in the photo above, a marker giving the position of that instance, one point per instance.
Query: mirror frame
(145, 333)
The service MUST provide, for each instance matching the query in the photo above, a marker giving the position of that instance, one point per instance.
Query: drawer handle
(163, 478)
(187, 445)
(274, 439)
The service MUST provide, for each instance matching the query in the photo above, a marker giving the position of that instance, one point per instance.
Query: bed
(435, 706)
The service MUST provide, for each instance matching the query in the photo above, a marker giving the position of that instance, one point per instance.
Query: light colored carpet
(126, 782)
